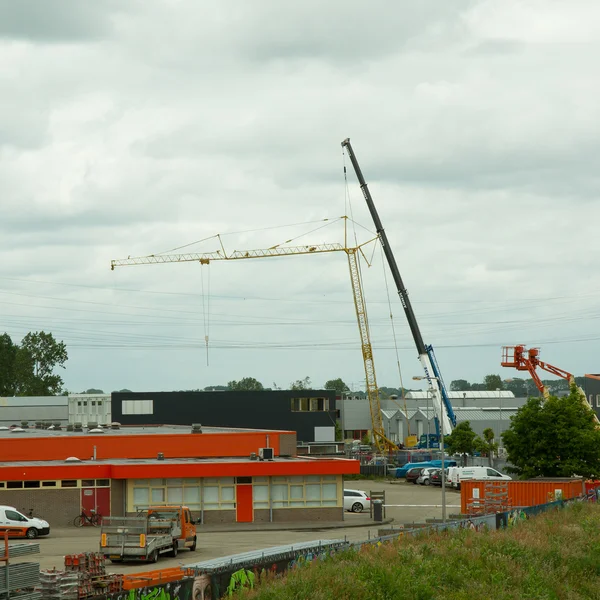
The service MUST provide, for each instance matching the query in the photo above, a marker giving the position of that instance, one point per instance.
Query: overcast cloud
(131, 128)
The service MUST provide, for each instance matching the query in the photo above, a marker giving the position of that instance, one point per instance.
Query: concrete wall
(117, 497)
(58, 507)
(287, 444)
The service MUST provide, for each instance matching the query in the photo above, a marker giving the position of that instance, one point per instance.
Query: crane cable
(402, 394)
(206, 307)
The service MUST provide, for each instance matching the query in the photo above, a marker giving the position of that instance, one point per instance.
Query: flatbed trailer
(138, 538)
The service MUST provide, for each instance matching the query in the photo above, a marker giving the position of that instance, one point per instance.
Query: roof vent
(70, 427)
(160, 456)
(196, 428)
(17, 430)
(77, 427)
(4, 428)
(92, 424)
(24, 424)
(96, 430)
(115, 425)
(72, 459)
(51, 427)
(253, 456)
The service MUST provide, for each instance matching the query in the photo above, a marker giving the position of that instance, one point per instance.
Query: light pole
(441, 421)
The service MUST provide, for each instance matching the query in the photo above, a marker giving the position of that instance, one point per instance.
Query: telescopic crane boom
(441, 402)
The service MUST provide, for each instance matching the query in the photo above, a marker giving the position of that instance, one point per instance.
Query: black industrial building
(300, 411)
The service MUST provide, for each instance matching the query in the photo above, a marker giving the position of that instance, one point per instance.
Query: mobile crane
(523, 359)
(384, 445)
(441, 402)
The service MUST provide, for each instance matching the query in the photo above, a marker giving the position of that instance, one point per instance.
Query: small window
(2, 484)
(69, 483)
(87, 483)
(243, 479)
(79, 403)
(93, 403)
(492, 473)
(597, 399)
(85, 403)
(13, 485)
(48, 483)
(31, 484)
(591, 399)
(99, 402)
(102, 482)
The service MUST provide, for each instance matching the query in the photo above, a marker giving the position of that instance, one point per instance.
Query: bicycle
(95, 519)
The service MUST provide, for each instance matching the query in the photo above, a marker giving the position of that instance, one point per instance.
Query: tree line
(27, 369)
(558, 437)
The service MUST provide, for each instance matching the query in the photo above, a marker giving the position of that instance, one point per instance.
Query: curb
(291, 527)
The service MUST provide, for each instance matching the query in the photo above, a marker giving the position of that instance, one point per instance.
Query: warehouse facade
(217, 473)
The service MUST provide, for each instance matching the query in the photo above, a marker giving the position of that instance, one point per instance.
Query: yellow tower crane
(384, 445)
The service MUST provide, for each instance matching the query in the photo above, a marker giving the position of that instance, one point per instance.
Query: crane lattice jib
(207, 257)
(367, 351)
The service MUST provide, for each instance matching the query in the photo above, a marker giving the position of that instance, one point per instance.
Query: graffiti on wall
(176, 590)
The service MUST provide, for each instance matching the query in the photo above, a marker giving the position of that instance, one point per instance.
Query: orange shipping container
(530, 492)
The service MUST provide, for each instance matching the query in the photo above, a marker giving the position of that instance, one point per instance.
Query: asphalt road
(221, 541)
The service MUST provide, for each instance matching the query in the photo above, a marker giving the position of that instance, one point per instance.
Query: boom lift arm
(528, 360)
(441, 401)
(382, 442)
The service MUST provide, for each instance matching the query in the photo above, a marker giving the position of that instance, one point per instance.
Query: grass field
(551, 556)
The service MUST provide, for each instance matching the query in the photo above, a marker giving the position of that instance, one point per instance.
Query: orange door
(243, 499)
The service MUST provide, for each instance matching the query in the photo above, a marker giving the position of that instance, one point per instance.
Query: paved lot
(220, 540)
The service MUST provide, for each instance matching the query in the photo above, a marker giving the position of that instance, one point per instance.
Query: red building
(217, 473)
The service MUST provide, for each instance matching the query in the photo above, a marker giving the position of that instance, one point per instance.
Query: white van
(457, 474)
(20, 526)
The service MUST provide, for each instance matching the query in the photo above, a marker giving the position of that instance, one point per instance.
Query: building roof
(175, 468)
(6, 432)
(460, 395)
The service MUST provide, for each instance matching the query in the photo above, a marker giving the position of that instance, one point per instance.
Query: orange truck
(157, 530)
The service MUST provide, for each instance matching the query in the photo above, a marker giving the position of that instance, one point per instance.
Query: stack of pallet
(84, 576)
(59, 585)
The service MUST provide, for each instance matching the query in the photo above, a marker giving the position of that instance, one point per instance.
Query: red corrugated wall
(525, 493)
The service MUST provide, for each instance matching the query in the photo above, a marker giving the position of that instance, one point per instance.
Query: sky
(142, 127)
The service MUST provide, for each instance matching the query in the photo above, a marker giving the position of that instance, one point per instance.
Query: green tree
(42, 353)
(461, 440)
(247, 384)
(8, 357)
(216, 388)
(338, 385)
(93, 391)
(487, 444)
(301, 384)
(460, 385)
(555, 438)
(493, 383)
(517, 386)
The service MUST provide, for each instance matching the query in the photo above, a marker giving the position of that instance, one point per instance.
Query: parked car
(414, 474)
(436, 477)
(356, 501)
(458, 474)
(401, 471)
(18, 525)
(425, 476)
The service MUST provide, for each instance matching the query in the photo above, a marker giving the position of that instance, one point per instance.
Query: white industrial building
(482, 409)
(74, 408)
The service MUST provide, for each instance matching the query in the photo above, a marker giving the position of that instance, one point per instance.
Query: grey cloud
(54, 21)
